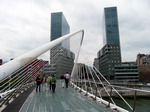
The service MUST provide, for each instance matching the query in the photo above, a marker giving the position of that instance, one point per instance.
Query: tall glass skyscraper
(111, 27)
(59, 27)
(110, 54)
(61, 58)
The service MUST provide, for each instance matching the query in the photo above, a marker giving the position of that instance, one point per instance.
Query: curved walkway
(63, 100)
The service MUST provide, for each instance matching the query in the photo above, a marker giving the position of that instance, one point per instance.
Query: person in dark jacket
(38, 83)
(62, 81)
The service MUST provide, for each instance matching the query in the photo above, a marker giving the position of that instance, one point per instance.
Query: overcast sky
(25, 25)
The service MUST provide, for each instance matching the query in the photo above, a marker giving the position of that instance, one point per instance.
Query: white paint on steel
(10, 67)
(100, 100)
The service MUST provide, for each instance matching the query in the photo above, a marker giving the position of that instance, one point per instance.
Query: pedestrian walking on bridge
(67, 77)
(38, 83)
(53, 81)
(62, 81)
(49, 81)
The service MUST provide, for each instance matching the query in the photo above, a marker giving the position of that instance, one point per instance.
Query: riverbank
(141, 104)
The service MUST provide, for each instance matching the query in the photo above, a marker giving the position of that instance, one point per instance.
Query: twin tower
(107, 58)
(110, 55)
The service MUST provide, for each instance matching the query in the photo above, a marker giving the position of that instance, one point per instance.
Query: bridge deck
(63, 100)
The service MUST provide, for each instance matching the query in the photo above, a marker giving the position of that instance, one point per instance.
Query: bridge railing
(92, 83)
(20, 73)
(84, 79)
(20, 80)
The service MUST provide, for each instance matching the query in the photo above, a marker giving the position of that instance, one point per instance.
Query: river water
(142, 104)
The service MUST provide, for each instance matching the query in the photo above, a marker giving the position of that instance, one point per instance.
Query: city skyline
(26, 22)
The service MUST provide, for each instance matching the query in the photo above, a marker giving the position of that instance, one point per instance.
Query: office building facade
(110, 54)
(60, 56)
(127, 73)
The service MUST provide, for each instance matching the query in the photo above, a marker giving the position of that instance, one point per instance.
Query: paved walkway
(16, 104)
(63, 100)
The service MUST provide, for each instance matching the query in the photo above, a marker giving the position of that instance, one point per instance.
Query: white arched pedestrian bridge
(85, 94)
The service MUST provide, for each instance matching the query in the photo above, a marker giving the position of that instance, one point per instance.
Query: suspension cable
(23, 75)
(89, 79)
(84, 78)
(114, 89)
(15, 71)
(81, 78)
(16, 77)
(104, 87)
(94, 81)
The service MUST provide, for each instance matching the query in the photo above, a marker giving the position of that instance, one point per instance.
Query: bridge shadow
(63, 100)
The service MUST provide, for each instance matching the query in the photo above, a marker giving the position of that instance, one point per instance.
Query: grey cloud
(26, 24)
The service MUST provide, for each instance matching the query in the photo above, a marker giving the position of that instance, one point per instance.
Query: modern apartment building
(143, 62)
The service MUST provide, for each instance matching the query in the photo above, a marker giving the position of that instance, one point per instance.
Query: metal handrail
(88, 79)
(24, 81)
(18, 77)
(104, 87)
(16, 71)
(113, 88)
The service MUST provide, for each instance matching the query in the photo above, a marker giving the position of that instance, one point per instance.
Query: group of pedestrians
(50, 82)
